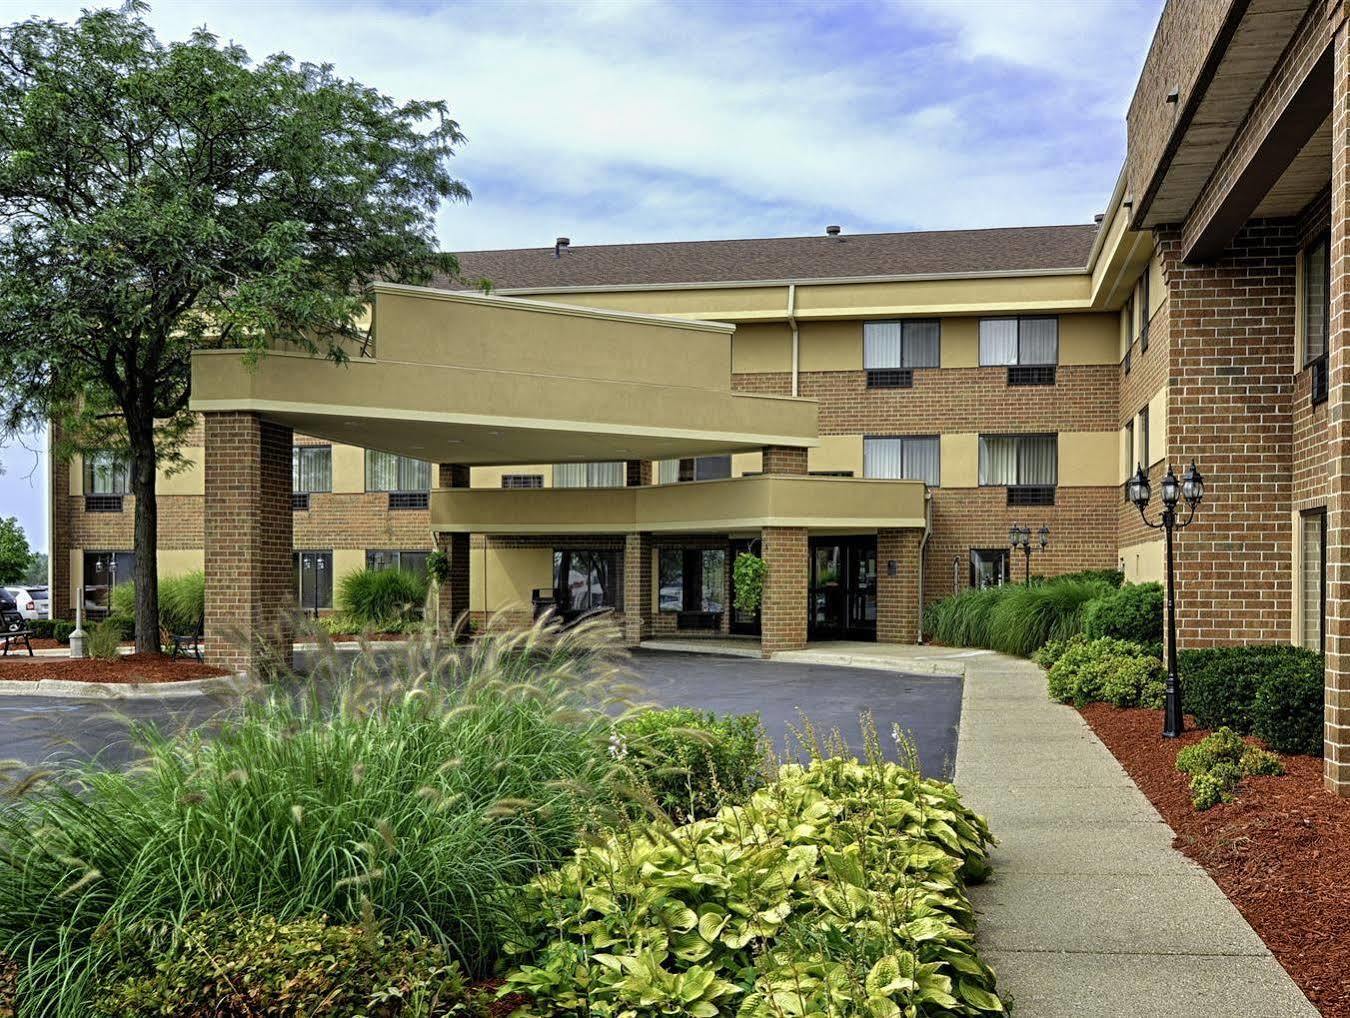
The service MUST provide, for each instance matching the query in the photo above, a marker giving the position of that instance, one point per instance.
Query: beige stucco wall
(960, 343)
(1089, 339)
(491, 477)
(507, 577)
(743, 463)
(1088, 458)
(1143, 563)
(346, 560)
(761, 348)
(179, 561)
(959, 460)
(830, 346)
(75, 473)
(349, 468)
(187, 481)
(837, 452)
(1157, 426)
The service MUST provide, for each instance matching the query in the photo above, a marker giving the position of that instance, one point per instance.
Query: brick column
(898, 595)
(784, 606)
(1336, 750)
(452, 597)
(638, 473)
(637, 588)
(250, 569)
(784, 459)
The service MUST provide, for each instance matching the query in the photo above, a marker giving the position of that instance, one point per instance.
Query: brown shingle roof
(939, 252)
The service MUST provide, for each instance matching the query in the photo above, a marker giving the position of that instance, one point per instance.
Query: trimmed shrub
(43, 629)
(1218, 763)
(694, 762)
(1289, 709)
(378, 598)
(1089, 671)
(1111, 577)
(1134, 612)
(1221, 687)
(62, 630)
(217, 964)
(1133, 682)
(182, 603)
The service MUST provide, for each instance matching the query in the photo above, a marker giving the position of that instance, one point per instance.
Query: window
(692, 579)
(311, 468)
(1313, 576)
(712, 468)
(1129, 332)
(892, 350)
(585, 579)
(387, 471)
(1145, 450)
(106, 473)
(314, 579)
(522, 480)
(1019, 461)
(409, 561)
(590, 475)
(1130, 462)
(830, 473)
(988, 567)
(1019, 341)
(1316, 300)
(1144, 309)
(697, 468)
(910, 458)
(104, 570)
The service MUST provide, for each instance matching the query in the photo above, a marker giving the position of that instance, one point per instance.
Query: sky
(627, 120)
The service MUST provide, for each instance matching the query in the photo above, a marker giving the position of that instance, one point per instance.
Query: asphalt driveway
(38, 729)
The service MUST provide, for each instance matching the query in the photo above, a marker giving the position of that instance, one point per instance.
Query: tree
(36, 573)
(15, 554)
(156, 199)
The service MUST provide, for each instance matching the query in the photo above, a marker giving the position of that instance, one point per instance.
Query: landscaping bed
(125, 669)
(1280, 850)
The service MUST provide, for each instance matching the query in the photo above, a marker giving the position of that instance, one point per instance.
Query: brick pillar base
(898, 595)
(452, 596)
(782, 459)
(784, 606)
(637, 588)
(250, 570)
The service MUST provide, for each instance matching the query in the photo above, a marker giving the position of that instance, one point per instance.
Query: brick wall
(784, 609)
(250, 580)
(898, 595)
(781, 459)
(637, 588)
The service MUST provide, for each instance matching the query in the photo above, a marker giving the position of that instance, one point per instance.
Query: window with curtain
(585, 579)
(311, 468)
(1143, 310)
(387, 471)
(1145, 451)
(667, 471)
(590, 475)
(1129, 450)
(905, 344)
(1316, 299)
(1312, 574)
(1019, 341)
(906, 457)
(409, 561)
(106, 473)
(1019, 460)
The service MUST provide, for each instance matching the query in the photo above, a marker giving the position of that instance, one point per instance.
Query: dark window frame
(399, 488)
(121, 466)
(298, 453)
(691, 565)
(562, 558)
(297, 560)
(1002, 555)
(1142, 417)
(1143, 309)
(1322, 240)
(898, 376)
(1018, 436)
(902, 439)
(1019, 319)
(398, 563)
(1320, 514)
(530, 481)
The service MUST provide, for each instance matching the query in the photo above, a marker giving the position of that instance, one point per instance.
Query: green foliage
(341, 624)
(44, 629)
(103, 640)
(415, 789)
(182, 602)
(1012, 619)
(837, 890)
(1111, 577)
(1134, 612)
(1089, 671)
(219, 964)
(694, 762)
(15, 555)
(438, 567)
(1272, 690)
(747, 579)
(1218, 763)
(36, 574)
(1048, 654)
(378, 598)
(62, 630)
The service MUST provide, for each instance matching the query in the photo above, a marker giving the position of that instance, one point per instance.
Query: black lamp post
(1020, 537)
(1191, 489)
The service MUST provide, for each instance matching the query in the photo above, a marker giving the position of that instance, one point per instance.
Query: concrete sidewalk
(1090, 910)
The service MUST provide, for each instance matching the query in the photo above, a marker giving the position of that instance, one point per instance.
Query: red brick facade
(784, 608)
(898, 591)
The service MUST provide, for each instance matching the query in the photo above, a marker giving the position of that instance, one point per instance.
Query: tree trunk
(147, 535)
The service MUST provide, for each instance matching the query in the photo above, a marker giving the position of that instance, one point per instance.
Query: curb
(907, 666)
(230, 685)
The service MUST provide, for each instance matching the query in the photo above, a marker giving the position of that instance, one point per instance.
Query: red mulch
(127, 668)
(1280, 851)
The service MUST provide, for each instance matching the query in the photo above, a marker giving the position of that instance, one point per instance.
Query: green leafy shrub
(1222, 686)
(839, 889)
(1111, 577)
(417, 789)
(694, 762)
(379, 598)
(1012, 619)
(1218, 763)
(1089, 671)
(62, 630)
(1134, 612)
(103, 640)
(1051, 652)
(222, 965)
(747, 580)
(43, 629)
(1289, 709)
(182, 602)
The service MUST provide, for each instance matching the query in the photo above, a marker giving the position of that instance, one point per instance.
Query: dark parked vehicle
(10, 618)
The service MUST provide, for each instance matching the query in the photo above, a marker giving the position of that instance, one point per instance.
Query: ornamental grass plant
(1013, 619)
(406, 791)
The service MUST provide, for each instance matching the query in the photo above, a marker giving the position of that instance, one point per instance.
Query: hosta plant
(838, 890)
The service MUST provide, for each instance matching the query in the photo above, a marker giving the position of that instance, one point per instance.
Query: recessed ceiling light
(451, 441)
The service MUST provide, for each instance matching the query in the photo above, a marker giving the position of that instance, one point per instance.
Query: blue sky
(639, 121)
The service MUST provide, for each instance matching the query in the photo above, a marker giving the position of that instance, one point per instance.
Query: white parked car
(31, 602)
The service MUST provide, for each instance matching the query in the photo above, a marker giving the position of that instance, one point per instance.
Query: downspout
(792, 321)
(923, 545)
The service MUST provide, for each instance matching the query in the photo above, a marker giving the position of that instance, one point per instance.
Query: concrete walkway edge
(216, 685)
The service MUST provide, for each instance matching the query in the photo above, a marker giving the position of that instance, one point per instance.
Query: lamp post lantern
(1190, 489)
(1020, 537)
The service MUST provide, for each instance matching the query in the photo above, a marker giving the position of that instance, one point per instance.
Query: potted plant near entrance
(748, 581)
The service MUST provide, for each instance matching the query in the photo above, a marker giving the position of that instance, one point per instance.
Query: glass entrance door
(843, 593)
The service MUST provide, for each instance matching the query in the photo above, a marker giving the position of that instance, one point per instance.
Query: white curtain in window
(667, 471)
(883, 344)
(413, 475)
(381, 471)
(921, 348)
(883, 457)
(106, 473)
(1311, 567)
(569, 475)
(1316, 289)
(998, 459)
(921, 460)
(589, 475)
(1039, 342)
(1037, 459)
(998, 341)
(311, 468)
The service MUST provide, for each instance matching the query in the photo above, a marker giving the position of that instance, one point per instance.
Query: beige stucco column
(250, 572)
(1336, 751)
(452, 598)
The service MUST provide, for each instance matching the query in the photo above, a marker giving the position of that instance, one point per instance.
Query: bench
(16, 629)
(185, 643)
